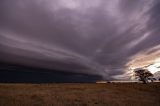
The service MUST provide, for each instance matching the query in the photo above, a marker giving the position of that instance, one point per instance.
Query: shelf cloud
(83, 36)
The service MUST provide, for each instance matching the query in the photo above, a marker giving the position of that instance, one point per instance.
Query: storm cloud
(100, 37)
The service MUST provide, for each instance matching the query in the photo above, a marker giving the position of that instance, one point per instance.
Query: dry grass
(80, 94)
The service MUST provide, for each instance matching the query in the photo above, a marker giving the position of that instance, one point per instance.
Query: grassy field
(117, 94)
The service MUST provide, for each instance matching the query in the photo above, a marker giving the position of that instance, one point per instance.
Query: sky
(107, 38)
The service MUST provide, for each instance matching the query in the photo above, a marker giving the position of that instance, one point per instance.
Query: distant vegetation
(143, 75)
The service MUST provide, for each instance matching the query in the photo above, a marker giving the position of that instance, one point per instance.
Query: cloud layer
(84, 36)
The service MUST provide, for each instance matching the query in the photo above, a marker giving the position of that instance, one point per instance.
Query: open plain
(80, 94)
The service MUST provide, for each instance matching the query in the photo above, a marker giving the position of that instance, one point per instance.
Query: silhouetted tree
(143, 74)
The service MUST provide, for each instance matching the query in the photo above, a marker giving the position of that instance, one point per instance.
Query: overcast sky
(97, 37)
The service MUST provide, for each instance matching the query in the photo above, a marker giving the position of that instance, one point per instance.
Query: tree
(143, 74)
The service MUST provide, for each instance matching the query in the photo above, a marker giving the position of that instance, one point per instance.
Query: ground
(110, 94)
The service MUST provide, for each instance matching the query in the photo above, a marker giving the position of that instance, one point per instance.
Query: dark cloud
(84, 36)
